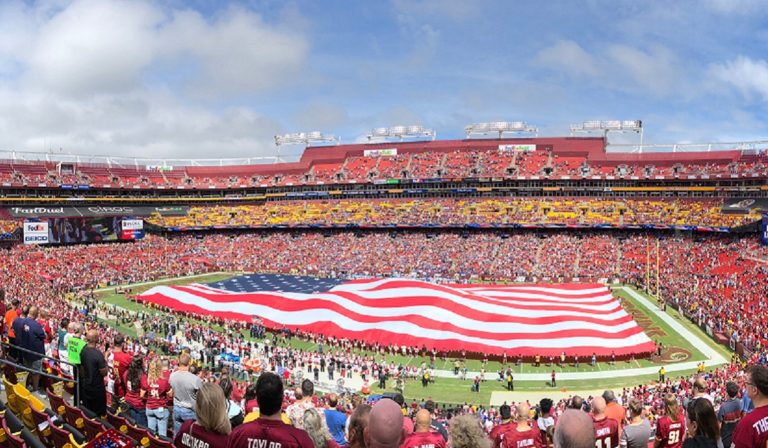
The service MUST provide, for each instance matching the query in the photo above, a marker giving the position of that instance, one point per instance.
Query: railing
(5, 361)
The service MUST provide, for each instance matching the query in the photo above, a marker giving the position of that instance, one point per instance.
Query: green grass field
(455, 390)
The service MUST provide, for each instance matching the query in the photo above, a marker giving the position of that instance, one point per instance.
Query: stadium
(538, 228)
(502, 285)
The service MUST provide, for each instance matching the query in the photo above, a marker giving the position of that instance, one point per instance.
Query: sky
(207, 79)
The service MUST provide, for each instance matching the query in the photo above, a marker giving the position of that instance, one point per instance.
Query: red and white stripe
(579, 319)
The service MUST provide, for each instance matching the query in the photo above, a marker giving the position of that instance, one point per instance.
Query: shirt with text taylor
(263, 433)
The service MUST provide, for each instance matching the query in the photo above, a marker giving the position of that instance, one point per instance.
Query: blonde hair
(313, 425)
(467, 432)
(154, 371)
(671, 407)
(211, 409)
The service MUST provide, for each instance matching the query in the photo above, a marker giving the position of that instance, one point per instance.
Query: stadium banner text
(380, 152)
(94, 211)
(512, 148)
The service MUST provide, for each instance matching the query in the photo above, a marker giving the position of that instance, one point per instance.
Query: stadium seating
(461, 212)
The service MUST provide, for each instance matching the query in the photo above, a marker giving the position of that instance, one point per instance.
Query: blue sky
(211, 79)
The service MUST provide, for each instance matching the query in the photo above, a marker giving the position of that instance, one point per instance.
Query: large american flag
(578, 319)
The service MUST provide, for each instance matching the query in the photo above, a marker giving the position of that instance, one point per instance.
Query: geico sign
(36, 238)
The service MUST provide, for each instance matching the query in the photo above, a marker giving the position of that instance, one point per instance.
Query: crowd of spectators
(461, 212)
(358, 169)
(728, 276)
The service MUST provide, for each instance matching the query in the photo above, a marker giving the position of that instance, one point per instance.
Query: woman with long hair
(212, 425)
(234, 412)
(670, 431)
(134, 394)
(313, 425)
(158, 391)
(703, 427)
(358, 421)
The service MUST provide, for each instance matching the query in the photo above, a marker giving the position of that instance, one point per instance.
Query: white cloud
(94, 46)
(237, 52)
(736, 7)
(747, 75)
(87, 76)
(656, 70)
(567, 55)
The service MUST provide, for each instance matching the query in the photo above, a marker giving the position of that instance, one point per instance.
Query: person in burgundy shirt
(118, 362)
(752, 430)
(606, 429)
(670, 430)
(212, 426)
(522, 435)
(157, 388)
(423, 436)
(506, 424)
(134, 394)
(269, 428)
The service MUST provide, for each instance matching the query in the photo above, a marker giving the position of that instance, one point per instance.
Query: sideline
(162, 280)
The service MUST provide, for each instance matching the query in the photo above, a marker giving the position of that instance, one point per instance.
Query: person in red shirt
(269, 428)
(423, 436)
(157, 389)
(523, 435)
(606, 429)
(670, 430)
(134, 394)
(118, 362)
(752, 430)
(212, 426)
(506, 424)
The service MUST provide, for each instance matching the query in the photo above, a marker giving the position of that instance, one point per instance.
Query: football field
(685, 346)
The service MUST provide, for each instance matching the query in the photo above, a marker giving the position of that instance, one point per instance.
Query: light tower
(501, 128)
(606, 126)
(401, 133)
(304, 138)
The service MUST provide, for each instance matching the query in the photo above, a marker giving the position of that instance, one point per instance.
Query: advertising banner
(510, 148)
(380, 152)
(41, 211)
(35, 232)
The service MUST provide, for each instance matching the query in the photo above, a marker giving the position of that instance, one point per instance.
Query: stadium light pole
(401, 133)
(606, 126)
(500, 128)
(304, 138)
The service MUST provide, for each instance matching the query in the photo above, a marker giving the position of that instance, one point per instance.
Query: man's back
(515, 438)
(424, 440)
(497, 433)
(616, 412)
(185, 386)
(268, 433)
(92, 361)
(607, 432)
(336, 422)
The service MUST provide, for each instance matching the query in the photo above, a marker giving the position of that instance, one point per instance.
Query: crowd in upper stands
(726, 274)
(360, 169)
(461, 212)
